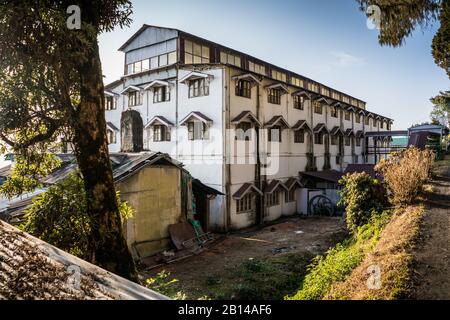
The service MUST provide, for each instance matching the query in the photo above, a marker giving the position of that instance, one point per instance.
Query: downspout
(227, 145)
(260, 202)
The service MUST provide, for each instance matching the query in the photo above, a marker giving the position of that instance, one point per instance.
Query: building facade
(241, 125)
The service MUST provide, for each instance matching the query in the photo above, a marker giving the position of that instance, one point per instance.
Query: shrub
(405, 173)
(59, 216)
(362, 196)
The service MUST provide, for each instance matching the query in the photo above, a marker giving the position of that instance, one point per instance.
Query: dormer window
(275, 134)
(161, 133)
(274, 96)
(198, 88)
(111, 136)
(318, 107)
(347, 115)
(244, 89)
(159, 129)
(334, 112)
(367, 120)
(358, 118)
(110, 102)
(161, 94)
(198, 130)
(299, 102)
(134, 98)
(244, 131)
(198, 125)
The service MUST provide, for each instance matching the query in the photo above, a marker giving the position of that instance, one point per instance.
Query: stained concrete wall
(154, 193)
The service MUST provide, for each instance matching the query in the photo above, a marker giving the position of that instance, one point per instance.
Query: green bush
(59, 216)
(340, 261)
(363, 197)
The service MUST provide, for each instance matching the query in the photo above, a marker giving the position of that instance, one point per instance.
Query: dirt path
(214, 269)
(432, 255)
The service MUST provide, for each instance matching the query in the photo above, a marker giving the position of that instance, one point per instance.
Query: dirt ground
(432, 255)
(292, 238)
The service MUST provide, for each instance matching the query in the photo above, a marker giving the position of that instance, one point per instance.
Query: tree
(59, 216)
(51, 83)
(441, 109)
(399, 18)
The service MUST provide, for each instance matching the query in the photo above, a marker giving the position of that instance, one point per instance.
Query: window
(388, 125)
(358, 142)
(333, 140)
(375, 122)
(110, 103)
(152, 63)
(313, 87)
(318, 108)
(335, 95)
(297, 82)
(318, 138)
(280, 76)
(299, 136)
(195, 53)
(256, 68)
(198, 130)
(275, 134)
(111, 136)
(334, 112)
(134, 99)
(299, 102)
(228, 58)
(161, 133)
(358, 118)
(338, 159)
(244, 89)
(274, 96)
(289, 196)
(273, 199)
(161, 94)
(245, 204)
(347, 115)
(366, 121)
(347, 141)
(243, 131)
(381, 124)
(198, 88)
(356, 159)
(325, 92)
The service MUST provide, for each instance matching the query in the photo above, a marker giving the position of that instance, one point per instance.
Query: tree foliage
(441, 108)
(51, 85)
(399, 18)
(441, 41)
(60, 216)
(363, 197)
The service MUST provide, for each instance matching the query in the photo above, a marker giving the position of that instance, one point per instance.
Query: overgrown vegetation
(340, 260)
(378, 240)
(257, 279)
(59, 216)
(405, 173)
(391, 256)
(363, 197)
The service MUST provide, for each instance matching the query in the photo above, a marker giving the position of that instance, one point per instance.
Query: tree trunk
(108, 246)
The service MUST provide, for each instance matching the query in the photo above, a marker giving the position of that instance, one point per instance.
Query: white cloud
(344, 59)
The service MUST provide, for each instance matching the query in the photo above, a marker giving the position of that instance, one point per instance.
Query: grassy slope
(392, 255)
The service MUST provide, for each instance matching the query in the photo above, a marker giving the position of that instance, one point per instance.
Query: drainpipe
(258, 179)
(227, 145)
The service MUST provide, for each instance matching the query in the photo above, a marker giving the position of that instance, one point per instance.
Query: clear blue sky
(326, 40)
